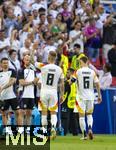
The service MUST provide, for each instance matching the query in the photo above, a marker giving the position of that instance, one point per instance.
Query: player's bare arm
(61, 90)
(99, 92)
(22, 82)
(11, 82)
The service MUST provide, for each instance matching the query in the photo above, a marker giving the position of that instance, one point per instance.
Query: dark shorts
(1, 104)
(27, 103)
(11, 102)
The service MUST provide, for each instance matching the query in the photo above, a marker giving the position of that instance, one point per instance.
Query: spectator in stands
(60, 24)
(50, 21)
(1, 18)
(75, 63)
(14, 40)
(39, 4)
(43, 19)
(95, 3)
(108, 36)
(112, 59)
(93, 43)
(25, 50)
(77, 36)
(4, 44)
(49, 47)
(66, 12)
(101, 13)
(10, 21)
(36, 19)
(13, 60)
(105, 76)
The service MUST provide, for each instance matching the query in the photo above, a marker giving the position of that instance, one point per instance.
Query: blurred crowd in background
(36, 27)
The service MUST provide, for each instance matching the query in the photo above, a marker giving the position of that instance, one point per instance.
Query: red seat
(113, 81)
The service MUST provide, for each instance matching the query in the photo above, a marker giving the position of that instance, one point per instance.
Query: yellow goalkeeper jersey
(75, 64)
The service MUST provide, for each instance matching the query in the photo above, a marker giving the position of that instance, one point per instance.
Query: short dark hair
(78, 22)
(71, 70)
(12, 51)
(42, 15)
(49, 15)
(41, 9)
(77, 45)
(49, 38)
(84, 59)
(4, 58)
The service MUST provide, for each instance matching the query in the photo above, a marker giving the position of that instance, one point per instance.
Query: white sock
(90, 120)
(44, 120)
(21, 130)
(82, 124)
(54, 120)
(8, 130)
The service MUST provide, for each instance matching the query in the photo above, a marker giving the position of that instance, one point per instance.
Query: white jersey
(5, 77)
(86, 79)
(50, 76)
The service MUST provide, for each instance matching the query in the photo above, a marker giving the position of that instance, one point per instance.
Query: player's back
(50, 75)
(86, 79)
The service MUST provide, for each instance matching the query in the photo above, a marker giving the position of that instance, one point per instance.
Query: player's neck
(27, 66)
(51, 62)
(85, 65)
(5, 69)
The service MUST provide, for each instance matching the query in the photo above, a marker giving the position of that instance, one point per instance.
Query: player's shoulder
(91, 70)
(39, 65)
(9, 70)
(59, 68)
(85, 69)
(81, 55)
(79, 70)
(52, 66)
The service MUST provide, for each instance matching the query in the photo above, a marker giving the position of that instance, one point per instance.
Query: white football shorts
(49, 99)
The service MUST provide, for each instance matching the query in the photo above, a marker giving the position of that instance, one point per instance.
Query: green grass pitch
(100, 142)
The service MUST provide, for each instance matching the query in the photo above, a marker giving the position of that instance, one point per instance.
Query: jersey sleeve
(62, 76)
(39, 65)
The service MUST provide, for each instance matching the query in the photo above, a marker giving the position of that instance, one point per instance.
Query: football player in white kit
(51, 76)
(86, 80)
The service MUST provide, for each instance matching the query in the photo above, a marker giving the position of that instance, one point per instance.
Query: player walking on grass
(51, 75)
(86, 81)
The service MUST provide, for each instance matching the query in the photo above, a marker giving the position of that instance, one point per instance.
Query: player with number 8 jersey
(51, 76)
